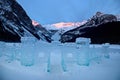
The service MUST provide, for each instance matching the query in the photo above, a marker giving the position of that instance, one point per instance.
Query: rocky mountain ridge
(15, 23)
(101, 28)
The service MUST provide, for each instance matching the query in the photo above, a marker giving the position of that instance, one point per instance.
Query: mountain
(44, 34)
(101, 28)
(15, 23)
(57, 29)
(63, 25)
(118, 17)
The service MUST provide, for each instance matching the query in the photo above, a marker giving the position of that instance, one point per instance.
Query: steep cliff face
(14, 22)
(44, 34)
(101, 28)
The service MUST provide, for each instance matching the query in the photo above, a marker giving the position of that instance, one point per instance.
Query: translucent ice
(83, 41)
(43, 54)
(67, 57)
(2, 44)
(28, 51)
(95, 54)
(105, 50)
(32, 52)
(83, 56)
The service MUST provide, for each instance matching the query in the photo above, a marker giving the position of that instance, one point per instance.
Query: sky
(54, 11)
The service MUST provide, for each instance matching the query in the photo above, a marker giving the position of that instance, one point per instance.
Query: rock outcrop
(44, 34)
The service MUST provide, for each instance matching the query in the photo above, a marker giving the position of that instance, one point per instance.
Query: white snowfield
(37, 60)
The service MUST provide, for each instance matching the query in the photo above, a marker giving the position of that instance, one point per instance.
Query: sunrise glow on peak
(35, 23)
(68, 24)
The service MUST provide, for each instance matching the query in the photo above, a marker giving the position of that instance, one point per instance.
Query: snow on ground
(56, 61)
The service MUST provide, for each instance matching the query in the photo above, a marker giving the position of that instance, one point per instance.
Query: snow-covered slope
(15, 23)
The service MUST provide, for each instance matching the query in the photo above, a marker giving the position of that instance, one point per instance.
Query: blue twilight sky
(52, 11)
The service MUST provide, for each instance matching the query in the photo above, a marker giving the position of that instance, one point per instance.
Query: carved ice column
(27, 51)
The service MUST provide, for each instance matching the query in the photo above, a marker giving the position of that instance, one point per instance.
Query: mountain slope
(14, 22)
(44, 34)
(101, 28)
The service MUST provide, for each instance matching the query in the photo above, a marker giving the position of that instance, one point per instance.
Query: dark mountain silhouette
(101, 28)
(15, 23)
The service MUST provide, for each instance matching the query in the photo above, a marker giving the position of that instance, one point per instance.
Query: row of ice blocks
(31, 52)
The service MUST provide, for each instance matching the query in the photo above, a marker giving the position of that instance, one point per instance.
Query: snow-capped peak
(64, 25)
(67, 24)
(35, 23)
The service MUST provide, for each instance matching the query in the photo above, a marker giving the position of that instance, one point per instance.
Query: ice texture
(1, 48)
(31, 52)
(27, 51)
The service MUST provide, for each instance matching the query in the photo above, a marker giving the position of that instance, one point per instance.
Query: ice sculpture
(95, 54)
(28, 51)
(43, 54)
(9, 52)
(12, 51)
(2, 44)
(17, 49)
(64, 67)
(31, 51)
(105, 50)
(68, 57)
(48, 64)
(83, 55)
(83, 41)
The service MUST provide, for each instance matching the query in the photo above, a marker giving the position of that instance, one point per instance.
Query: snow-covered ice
(37, 60)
